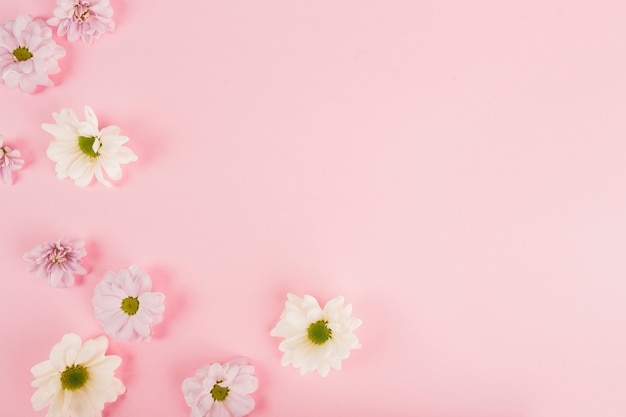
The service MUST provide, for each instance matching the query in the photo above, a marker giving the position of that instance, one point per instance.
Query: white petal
(90, 116)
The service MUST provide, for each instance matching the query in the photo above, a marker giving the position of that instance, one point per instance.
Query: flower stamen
(86, 144)
(319, 332)
(219, 393)
(21, 53)
(74, 377)
(130, 305)
(81, 11)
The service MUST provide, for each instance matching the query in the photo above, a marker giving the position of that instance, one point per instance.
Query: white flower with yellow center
(81, 150)
(77, 379)
(316, 338)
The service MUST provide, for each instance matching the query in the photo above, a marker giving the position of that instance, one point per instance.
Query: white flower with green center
(316, 338)
(77, 379)
(81, 150)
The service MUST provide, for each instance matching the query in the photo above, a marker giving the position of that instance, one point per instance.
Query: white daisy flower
(316, 338)
(77, 379)
(82, 151)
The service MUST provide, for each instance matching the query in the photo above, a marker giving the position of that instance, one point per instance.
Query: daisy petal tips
(28, 54)
(9, 161)
(77, 379)
(80, 19)
(82, 151)
(125, 305)
(316, 338)
(221, 390)
(57, 262)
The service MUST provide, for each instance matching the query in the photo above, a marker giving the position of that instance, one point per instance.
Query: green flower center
(86, 145)
(219, 393)
(22, 53)
(319, 332)
(74, 377)
(130, 305)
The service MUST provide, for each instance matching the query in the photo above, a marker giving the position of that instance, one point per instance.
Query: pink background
(455, 169)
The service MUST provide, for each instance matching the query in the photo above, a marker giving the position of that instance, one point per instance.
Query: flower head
(221, 390)
(316, 338)
(9, 161)
(82, 151)
(126, 307)
(57, 262)
(28, 54)
(77, 379)
(82, 19)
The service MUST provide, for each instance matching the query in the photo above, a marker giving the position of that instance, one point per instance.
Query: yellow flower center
(319, 332)
(219, 393)
(130, 305)
(22, 53)
(74, 377)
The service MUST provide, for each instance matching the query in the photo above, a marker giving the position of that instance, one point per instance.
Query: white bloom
(82, 151)
(316, 339)
(77, 379)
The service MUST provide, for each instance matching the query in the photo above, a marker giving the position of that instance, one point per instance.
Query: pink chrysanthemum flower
(82, 19)
(9, 161)
(124, 304)
(221, 390)
(57, 262)
(28, 54)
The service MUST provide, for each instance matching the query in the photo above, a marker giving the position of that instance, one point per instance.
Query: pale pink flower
(82, 19)
(219, 390)
(28, 54)
(9, 161)
(57, 262)
(124, 304)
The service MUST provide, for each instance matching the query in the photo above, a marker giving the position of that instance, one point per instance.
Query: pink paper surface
(455, 169)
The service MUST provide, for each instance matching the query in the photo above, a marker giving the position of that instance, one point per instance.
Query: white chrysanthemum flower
(316, 338)
(82, 151)
(77, 379)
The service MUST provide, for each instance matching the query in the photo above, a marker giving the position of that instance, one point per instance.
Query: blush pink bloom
(28, 54)
(125, 306)
(9, 161)
(57, 262)
(221, 390)
(87, 20)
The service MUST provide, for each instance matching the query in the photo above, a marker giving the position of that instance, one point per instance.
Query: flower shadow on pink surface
(126, 372)
(176, 300)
